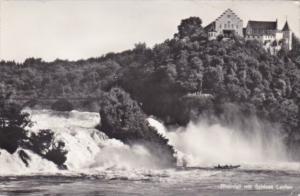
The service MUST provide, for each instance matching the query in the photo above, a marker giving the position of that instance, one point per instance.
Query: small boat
(226, 167)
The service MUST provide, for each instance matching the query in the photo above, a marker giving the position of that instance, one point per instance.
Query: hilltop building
(267, 32)
(226, 24)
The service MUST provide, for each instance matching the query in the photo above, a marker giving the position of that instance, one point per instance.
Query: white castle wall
(229, 21)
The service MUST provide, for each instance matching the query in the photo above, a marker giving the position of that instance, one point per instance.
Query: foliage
(191, 27)
(14, 135)
(43, 143)
(229, 71)
(12, 125)
(122, 118)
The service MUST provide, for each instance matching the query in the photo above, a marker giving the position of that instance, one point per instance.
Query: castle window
(228, 16)
(232, 26)
(237, 26)
(220, 26)
(225, 26)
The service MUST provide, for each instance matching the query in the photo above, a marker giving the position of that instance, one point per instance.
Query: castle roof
(211, 27)
(229, 11)
(286, 27)
(263, 25)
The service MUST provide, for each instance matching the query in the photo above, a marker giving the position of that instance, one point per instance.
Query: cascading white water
(90, 151)
(11, 164)
(203, 144)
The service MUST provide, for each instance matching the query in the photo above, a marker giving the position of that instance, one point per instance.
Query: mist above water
(204, 144)
(198, 144)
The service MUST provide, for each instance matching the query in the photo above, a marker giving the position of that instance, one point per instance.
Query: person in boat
(227, 166)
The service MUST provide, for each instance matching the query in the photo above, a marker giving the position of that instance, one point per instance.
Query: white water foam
(203, 144)
(11, 164)
(91, 152)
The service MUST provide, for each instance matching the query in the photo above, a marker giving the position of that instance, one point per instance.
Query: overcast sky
(77, 29)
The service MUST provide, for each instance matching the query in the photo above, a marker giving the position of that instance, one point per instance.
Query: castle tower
(287, 36)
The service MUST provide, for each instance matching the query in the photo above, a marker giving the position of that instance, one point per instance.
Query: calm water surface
(164, 182)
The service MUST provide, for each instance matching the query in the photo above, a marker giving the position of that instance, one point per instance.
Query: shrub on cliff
(12, 124)
(122, 118)
(44, 144)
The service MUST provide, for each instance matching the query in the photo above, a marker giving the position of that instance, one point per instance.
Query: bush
(13, 135)
(122, 118)
(44, 144)
(12, 124)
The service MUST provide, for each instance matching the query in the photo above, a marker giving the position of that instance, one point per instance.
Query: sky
(80, 29)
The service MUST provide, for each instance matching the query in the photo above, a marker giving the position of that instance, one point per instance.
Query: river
(98, 165)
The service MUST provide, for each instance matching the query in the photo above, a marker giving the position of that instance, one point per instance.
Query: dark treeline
(177, 80)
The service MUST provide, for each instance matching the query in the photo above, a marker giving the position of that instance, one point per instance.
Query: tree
(44, 144)
(191, 27)
(13, 134)
(212, 78)
(122, 118)
(295, 52)
(12, 124)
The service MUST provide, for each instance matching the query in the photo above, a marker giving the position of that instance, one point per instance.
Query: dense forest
(179, 80)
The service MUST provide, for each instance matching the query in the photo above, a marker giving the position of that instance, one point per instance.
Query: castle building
(266, 32)
(225, 24)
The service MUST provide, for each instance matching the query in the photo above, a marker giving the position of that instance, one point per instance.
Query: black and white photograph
(149, 97)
